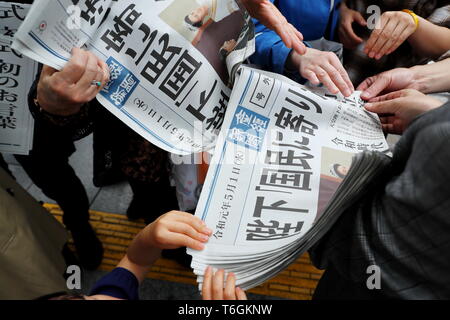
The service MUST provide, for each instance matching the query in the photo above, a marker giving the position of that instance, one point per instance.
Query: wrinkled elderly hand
(64, 92)
(271, 17)
(397, 109)
(392, 30)
(322, 67)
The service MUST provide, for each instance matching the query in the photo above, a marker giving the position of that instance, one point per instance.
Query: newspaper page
(280, 157)
(17, 74)
(169, 60)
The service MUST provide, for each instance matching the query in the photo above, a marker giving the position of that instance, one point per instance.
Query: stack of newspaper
(17, 74)
(288, 162)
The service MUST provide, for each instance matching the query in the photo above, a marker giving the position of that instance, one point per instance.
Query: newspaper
(16, 77)
(170, 61)
(283, 152)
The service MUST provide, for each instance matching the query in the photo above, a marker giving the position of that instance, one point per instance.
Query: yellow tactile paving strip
(298, 281)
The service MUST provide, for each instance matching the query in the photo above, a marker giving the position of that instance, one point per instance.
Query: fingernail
(208, 269)
(208, 230)
(204, 238)
(371, 54)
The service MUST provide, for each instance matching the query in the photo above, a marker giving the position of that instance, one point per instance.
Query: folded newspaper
(287, 163)
(169, 60)
(16, 77)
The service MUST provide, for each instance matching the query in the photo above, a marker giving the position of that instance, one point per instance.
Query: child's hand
(177, 229)
(213, 289)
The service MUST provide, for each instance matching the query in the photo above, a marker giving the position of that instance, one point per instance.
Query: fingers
(230, 287)
(240, 294)
(217, 285)
(388, 46)
(297, 40)
(93, 72)
(213, 286)
(178, 229)
(406, 32)
(324, 67)
(373, 86)
(395, 28)
(383, 39)
(389, 96)
(47, 71)
(74, 69)
(325, 79)
(311, 76)
(188, 230)
(382, 107)
(105, 70)
(193, 221)
(173, 240)
(336, 79)
(207, 283)
(360, 19)
(348, 28)
(336, 63)
(291, 37)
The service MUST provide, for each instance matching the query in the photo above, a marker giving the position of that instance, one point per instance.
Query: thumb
(383, 107)
(378, 85)
(360, 19)
(48, 71)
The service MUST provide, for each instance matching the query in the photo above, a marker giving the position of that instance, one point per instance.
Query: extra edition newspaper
(169, 60)
(275, 182)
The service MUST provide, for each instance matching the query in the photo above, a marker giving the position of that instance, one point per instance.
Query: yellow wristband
(413, 15)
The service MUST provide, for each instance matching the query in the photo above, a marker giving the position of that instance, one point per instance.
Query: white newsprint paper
(282, 154)
(169, 60)
(17, 74)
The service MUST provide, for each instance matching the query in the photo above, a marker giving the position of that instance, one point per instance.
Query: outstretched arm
(430, 40)
(266, 12)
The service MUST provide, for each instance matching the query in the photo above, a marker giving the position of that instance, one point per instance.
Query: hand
(392, 30)
(177, 229)
(397, 109)
(213, 289)
(322, 67)
(346, 34)
(392, 80)
(268, 14)
(65, 92)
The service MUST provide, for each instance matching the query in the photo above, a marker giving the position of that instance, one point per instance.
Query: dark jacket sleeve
(76, 126)
(403, 225)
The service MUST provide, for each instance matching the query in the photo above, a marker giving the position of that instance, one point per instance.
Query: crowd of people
(398, 62)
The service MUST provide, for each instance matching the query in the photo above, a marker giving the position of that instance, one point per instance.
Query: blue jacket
(310, 17)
